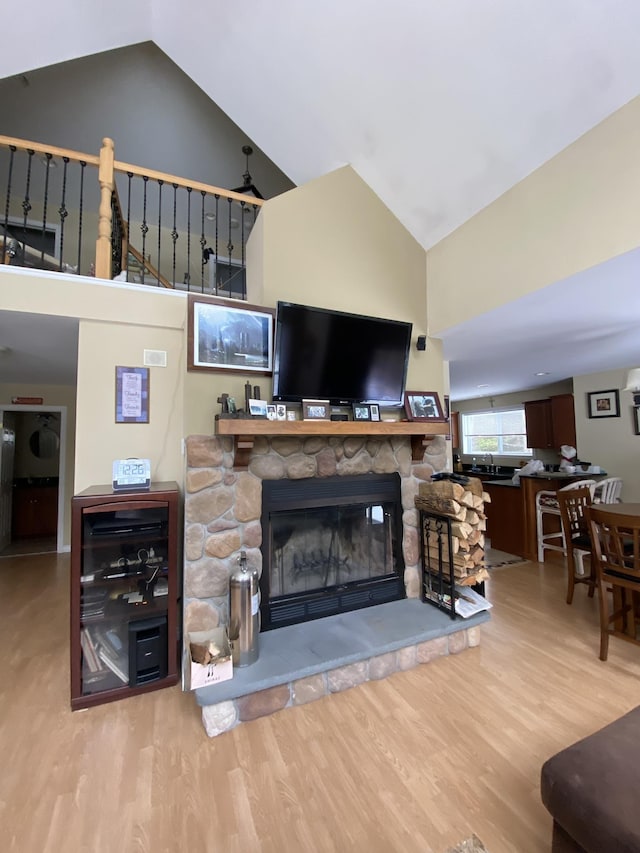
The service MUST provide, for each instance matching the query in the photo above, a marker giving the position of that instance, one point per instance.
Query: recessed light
(484, 385)
(542, 373)
(50, 162)
(210, 216)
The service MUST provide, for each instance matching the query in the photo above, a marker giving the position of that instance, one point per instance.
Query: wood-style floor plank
(413, 763)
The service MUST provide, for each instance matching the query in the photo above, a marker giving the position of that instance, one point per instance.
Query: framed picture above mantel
(228, 335)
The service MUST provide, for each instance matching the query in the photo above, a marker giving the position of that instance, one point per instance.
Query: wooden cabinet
(505, 518)
(563, 420)
(124, 593)
(34, 511)
(551, 422)
(455, 430)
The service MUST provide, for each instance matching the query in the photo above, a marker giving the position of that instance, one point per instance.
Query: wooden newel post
(106, 181)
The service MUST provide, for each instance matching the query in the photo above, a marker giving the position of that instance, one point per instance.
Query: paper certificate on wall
(132, 395)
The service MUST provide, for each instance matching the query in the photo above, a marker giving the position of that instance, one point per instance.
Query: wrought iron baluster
(242, 272)
(62, 210)
(129, 178)
(80, 209)
(229, 249)
(187, 275)
(215, 272)
(26, 204)
(12, 149)
(203, 242)
(46, 201)
(174, 234)
(144, 227)
(160, 183)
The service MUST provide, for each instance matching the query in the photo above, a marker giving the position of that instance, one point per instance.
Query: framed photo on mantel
(423, 406)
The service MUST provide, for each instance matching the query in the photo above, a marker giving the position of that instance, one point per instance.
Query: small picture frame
(271, 412)
(315, 410)
(361, 412)
(132, 395)
(636, 419)
(603, 404)
(258, 408)
(281, 412)
(374, 409)
(423, 406)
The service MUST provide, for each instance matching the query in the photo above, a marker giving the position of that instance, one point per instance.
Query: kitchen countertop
(502, 483)
(560, 475)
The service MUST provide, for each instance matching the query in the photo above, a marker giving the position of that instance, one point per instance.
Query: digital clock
(130, 474)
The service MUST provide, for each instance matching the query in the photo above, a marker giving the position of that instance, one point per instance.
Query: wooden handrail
(39, 148)
(148, 266)
(183, 182)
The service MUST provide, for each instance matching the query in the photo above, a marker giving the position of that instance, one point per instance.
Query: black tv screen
(344, 358)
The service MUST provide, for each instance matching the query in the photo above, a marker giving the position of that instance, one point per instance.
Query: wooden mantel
(245, 430)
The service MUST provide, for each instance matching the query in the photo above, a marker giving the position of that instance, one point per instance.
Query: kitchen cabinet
(34, 511)
(455, 430)
(550, 422)
(505, 517)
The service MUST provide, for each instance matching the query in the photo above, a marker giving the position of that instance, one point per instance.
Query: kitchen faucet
(492, 468)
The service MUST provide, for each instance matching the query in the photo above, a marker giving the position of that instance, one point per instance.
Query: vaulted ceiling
(439, 106)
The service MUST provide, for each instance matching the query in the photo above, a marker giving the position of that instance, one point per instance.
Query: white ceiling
(440, 107)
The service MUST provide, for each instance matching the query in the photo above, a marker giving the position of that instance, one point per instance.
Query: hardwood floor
(415, 762)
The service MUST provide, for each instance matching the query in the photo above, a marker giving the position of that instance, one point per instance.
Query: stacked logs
(464, 504)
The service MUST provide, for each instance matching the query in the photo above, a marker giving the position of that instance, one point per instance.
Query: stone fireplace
(223, 506)
(303, 661)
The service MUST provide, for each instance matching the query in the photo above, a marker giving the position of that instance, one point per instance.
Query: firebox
(329, 545)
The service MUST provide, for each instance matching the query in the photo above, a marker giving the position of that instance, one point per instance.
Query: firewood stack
(464, 504)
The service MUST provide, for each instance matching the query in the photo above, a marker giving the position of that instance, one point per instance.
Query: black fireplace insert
(330, 545)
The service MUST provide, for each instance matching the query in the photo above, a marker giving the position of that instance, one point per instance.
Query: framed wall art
(603, 404)
(423, 406)
(132, 395)
(636, 419)
(228, 335)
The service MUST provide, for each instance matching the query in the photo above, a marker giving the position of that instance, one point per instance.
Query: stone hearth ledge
(304, 662)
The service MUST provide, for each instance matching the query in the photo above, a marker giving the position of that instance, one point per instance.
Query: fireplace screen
(340, 555)
(317, 548)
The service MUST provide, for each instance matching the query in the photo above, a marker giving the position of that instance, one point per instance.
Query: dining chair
(572, 503)
(608, 491)
(615, 541)
(547, 504)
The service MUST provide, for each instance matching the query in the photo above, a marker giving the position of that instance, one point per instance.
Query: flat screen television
(323, 354)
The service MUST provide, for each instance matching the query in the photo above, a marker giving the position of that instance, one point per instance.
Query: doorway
(37, 496)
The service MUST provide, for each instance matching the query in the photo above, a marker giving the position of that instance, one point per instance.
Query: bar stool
(547, 504)
(608, 491)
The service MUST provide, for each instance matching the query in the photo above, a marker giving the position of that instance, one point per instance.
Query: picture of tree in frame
(227, 335)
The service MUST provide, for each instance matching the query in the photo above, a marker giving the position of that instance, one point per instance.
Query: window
(501, 432)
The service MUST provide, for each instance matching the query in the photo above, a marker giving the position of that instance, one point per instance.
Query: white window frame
(527, 452)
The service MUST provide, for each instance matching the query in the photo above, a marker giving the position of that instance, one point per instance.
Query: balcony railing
(72, 212)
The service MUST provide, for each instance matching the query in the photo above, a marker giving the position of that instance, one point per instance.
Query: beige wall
(609, 442)
(333, 243)
(577, 210)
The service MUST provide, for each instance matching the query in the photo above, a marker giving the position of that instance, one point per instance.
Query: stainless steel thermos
(244, 613)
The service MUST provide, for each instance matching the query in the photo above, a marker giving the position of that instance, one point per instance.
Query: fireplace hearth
(329, 546)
